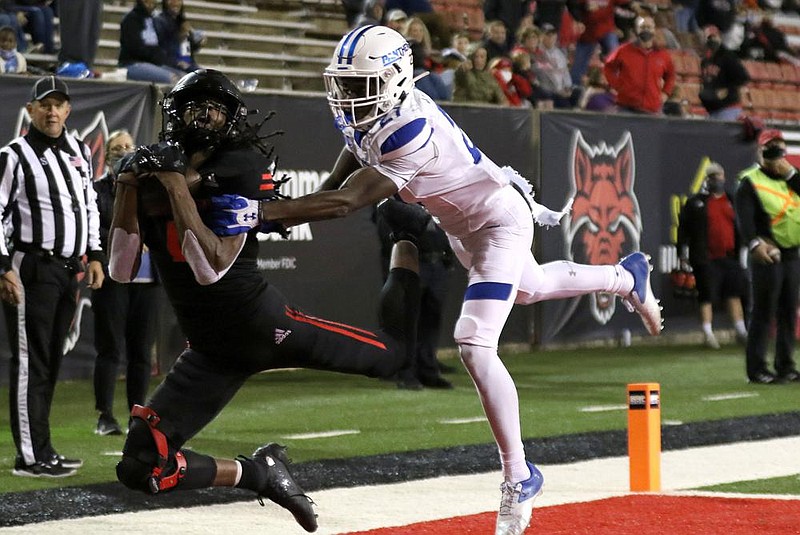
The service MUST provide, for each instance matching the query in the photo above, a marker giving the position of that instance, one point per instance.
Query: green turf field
(555, 388)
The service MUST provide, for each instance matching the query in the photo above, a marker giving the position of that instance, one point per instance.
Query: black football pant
(204, 380)
(37, 329)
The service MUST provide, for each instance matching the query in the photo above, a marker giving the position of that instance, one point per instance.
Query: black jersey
(232, 301)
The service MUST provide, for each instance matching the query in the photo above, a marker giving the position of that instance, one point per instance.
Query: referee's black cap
(47, 86)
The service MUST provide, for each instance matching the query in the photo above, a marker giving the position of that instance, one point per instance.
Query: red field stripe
(645, 514)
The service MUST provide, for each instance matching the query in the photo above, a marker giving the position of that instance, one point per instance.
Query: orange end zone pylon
(644, 436)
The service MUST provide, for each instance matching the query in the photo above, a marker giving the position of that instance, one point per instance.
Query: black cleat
(278, 485)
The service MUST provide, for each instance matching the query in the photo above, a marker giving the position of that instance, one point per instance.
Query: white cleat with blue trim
(516, 503)
(641, 299)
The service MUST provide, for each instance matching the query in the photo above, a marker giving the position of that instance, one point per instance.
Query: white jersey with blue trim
(432, 162)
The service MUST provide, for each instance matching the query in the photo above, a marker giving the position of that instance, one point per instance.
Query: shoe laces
(510, 494)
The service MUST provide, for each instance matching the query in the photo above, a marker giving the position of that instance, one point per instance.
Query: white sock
(707, 329)
(498, 395)
(238, 473)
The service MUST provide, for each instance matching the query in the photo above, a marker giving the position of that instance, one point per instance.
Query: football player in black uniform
(224, 305)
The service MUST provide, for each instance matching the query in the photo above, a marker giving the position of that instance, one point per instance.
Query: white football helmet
(371, 72)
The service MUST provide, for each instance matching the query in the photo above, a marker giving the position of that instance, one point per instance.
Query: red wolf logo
(605, 223)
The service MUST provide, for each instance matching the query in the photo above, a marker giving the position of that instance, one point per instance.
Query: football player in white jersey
(398, 142)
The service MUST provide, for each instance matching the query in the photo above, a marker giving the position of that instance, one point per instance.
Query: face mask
(773, 153)
(713, 44)
(716, 186)
(506, 76)
(645, 36)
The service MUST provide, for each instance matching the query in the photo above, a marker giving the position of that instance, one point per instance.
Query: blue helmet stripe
(352, 40)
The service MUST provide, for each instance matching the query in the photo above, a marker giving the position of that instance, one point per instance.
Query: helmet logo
(395, 55)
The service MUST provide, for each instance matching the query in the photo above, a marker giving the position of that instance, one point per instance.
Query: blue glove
(233, 214)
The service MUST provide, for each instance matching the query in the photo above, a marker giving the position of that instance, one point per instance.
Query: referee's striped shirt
(47, 200)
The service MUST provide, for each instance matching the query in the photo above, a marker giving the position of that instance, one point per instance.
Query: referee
(51, 221)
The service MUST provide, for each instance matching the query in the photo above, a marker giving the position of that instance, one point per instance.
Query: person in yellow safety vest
(768, 216)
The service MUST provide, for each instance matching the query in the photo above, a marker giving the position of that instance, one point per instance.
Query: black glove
(163, 156)
(406, 221)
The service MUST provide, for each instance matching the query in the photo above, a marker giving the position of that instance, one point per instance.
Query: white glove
(546, 217)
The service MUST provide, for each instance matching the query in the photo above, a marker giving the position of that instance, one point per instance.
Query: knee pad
(148, 462)
(465, 330)
(134, 473)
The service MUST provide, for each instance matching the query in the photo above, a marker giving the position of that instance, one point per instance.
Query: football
(153, 197)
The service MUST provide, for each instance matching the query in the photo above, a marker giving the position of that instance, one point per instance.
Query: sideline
(370, 507)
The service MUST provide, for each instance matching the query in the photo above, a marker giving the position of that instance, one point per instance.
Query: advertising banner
(629, 175)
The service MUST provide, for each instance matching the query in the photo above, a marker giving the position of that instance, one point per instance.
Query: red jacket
(640, 76)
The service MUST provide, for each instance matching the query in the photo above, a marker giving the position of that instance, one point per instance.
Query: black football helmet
(188, 111)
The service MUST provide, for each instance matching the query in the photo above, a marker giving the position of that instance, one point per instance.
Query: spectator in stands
(373, 13)
(515, 87)
(352, 10)
(427, 81)
(39, 23)
(140, 51)
(9, 16)
(79, 24)
(642, 75)
(451, 61)
(766, 42)
(596, 27)
(511, 13)
(416, 31)
(525, 77)
(719, 13)
(461, 43)
(709, 242)
(684, 13)
(722, 78)
(552, 71)
(11, 61)
(549, 12)
(495, 40)
(423, 10)
(177, 37)
(396, 19)
(664, 36)
(474, 82)
(597, 95)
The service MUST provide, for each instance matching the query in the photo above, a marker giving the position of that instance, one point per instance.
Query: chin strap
(158, 482)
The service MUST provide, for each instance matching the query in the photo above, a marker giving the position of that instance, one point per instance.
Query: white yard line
(362, 508)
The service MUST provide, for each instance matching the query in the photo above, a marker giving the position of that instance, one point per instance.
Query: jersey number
(471, 148)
